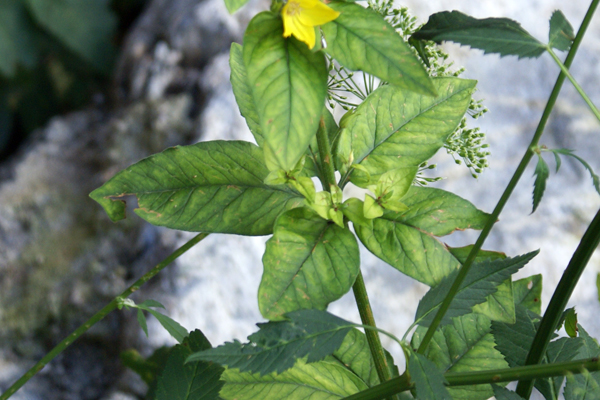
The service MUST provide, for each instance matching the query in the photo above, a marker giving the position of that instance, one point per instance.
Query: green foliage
(541, 175)
(527, 292)
(561, 32)
(585, 386)
(428, 379)
(177, 331)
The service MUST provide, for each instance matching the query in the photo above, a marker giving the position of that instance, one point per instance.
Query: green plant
(474, 330)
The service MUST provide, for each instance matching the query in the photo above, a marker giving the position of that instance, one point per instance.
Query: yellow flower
(301, 16)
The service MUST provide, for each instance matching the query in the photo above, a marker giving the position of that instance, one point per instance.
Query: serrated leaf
(482, 280)
(527, 292)
(465, 345)
(560, 350)
(514, 340)
(177, 331)
(561, 32)
(492, 35)
(289, 86)
(501, 393)
(207, 187)
(277, 345)
(428, 379)
(360, 39)
(595, 178)
(323, 380)
(394, 128)
(197, 381)
(541, 174)
(86, 27)
(308, 263)
(584, 386)
(355, 354)
(571, 322)
(234, 5)
(243, 92)
(18, 45)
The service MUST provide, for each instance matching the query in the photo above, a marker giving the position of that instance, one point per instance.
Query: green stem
(575, 84)
(326, 158)
(559, 300)
(402, 383)
(511, 185)
(59, 348)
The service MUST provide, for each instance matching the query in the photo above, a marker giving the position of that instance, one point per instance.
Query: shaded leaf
(428, 379)
(18, 44)
(527, 292)
(141, 319)
(492, 35)
(541, 174)
(207, 187)
(313, 157)
(394, 128)
(561, 32)
(148, 369)
(504, 394)
(482, 280)
(514, 340)
(560, 350)
(360, 39)
(308, 263)
(355, 355)
(197, 381)
(584, 386)
(465, 345)
(277, 345)
(289, 86)
(461, 254)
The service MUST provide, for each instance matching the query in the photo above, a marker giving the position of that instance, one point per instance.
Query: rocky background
(61, 259)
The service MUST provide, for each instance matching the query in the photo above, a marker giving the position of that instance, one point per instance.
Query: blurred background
(88, 87)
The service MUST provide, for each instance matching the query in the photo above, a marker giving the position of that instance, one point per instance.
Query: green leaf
(243, 92)
(465, 345)
(501, 393)
(428, 379)
(171, 326)
(197, 381)
(86, 27)
(313, 158)
(561, 32)
(234, 5)
(482, 280)
(360, 39)
(148, 369)
(289, 86)
(571, 322)
(527, 292)
(141, 318)
(355, 354)
(394, 128)
(567, 152)
(439, 212)
(584, 386)
(492, 35)
(308, 263)
(277, 345)
(18, 44)
(207, 187)
(323, 380)
(514, 340)
(461, 254)
(541, 175)
(560, 350)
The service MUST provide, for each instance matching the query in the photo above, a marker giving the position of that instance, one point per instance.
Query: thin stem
(402, 383)
(579, 89)
(562, 294)
(511, 185)
(59, 348)
(384, 332)
(326, 158)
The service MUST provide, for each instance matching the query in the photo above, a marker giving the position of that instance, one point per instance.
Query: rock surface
(62, 259)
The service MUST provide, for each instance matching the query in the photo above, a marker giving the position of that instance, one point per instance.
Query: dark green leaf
(527, 292)
(289, 86)
(465, 345)
(504, 394)
(561, 32)
(308, 263)
(207, 187)
(195, 381)
(171, 326)
(243, 92)
(461, 254)
(313, 157)
(394, 128)
(428, 379)
(234, 5)
(141, 318)
(514, 340)
(148, 369)
(360, 39)
(571, 322)
(18, 45)
(560, 350)
(584, 386)
(277, 345)
(482, 280)
(541, 175)
(84, 26)
(492, 35)
(151, 303)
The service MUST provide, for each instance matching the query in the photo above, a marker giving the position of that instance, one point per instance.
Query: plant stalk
(512, 184)
(561, 296)
(66, 342)
(402, 383)
(326, 157)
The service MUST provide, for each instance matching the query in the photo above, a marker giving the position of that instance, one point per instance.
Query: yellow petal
(305, 33)
(316, 13)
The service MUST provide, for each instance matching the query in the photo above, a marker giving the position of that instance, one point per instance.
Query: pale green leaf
(466, 345)
(527, 292)
(482, 280)
(584, 386)
(313, 158)
(571, 322)
(86, 27)
(234, 5)
(18, 44)
(289, 86)
(207, 187)
(308, 263)
(541, 176)
(243, 92)
(570, 153)
(196, 381)
(277, 345)
(394, 128)
(323, 380)
(561, 32)
(492, 35)
(428, 379)
(141, 318)
(355, 355)
(360, 39)
(170, 325)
